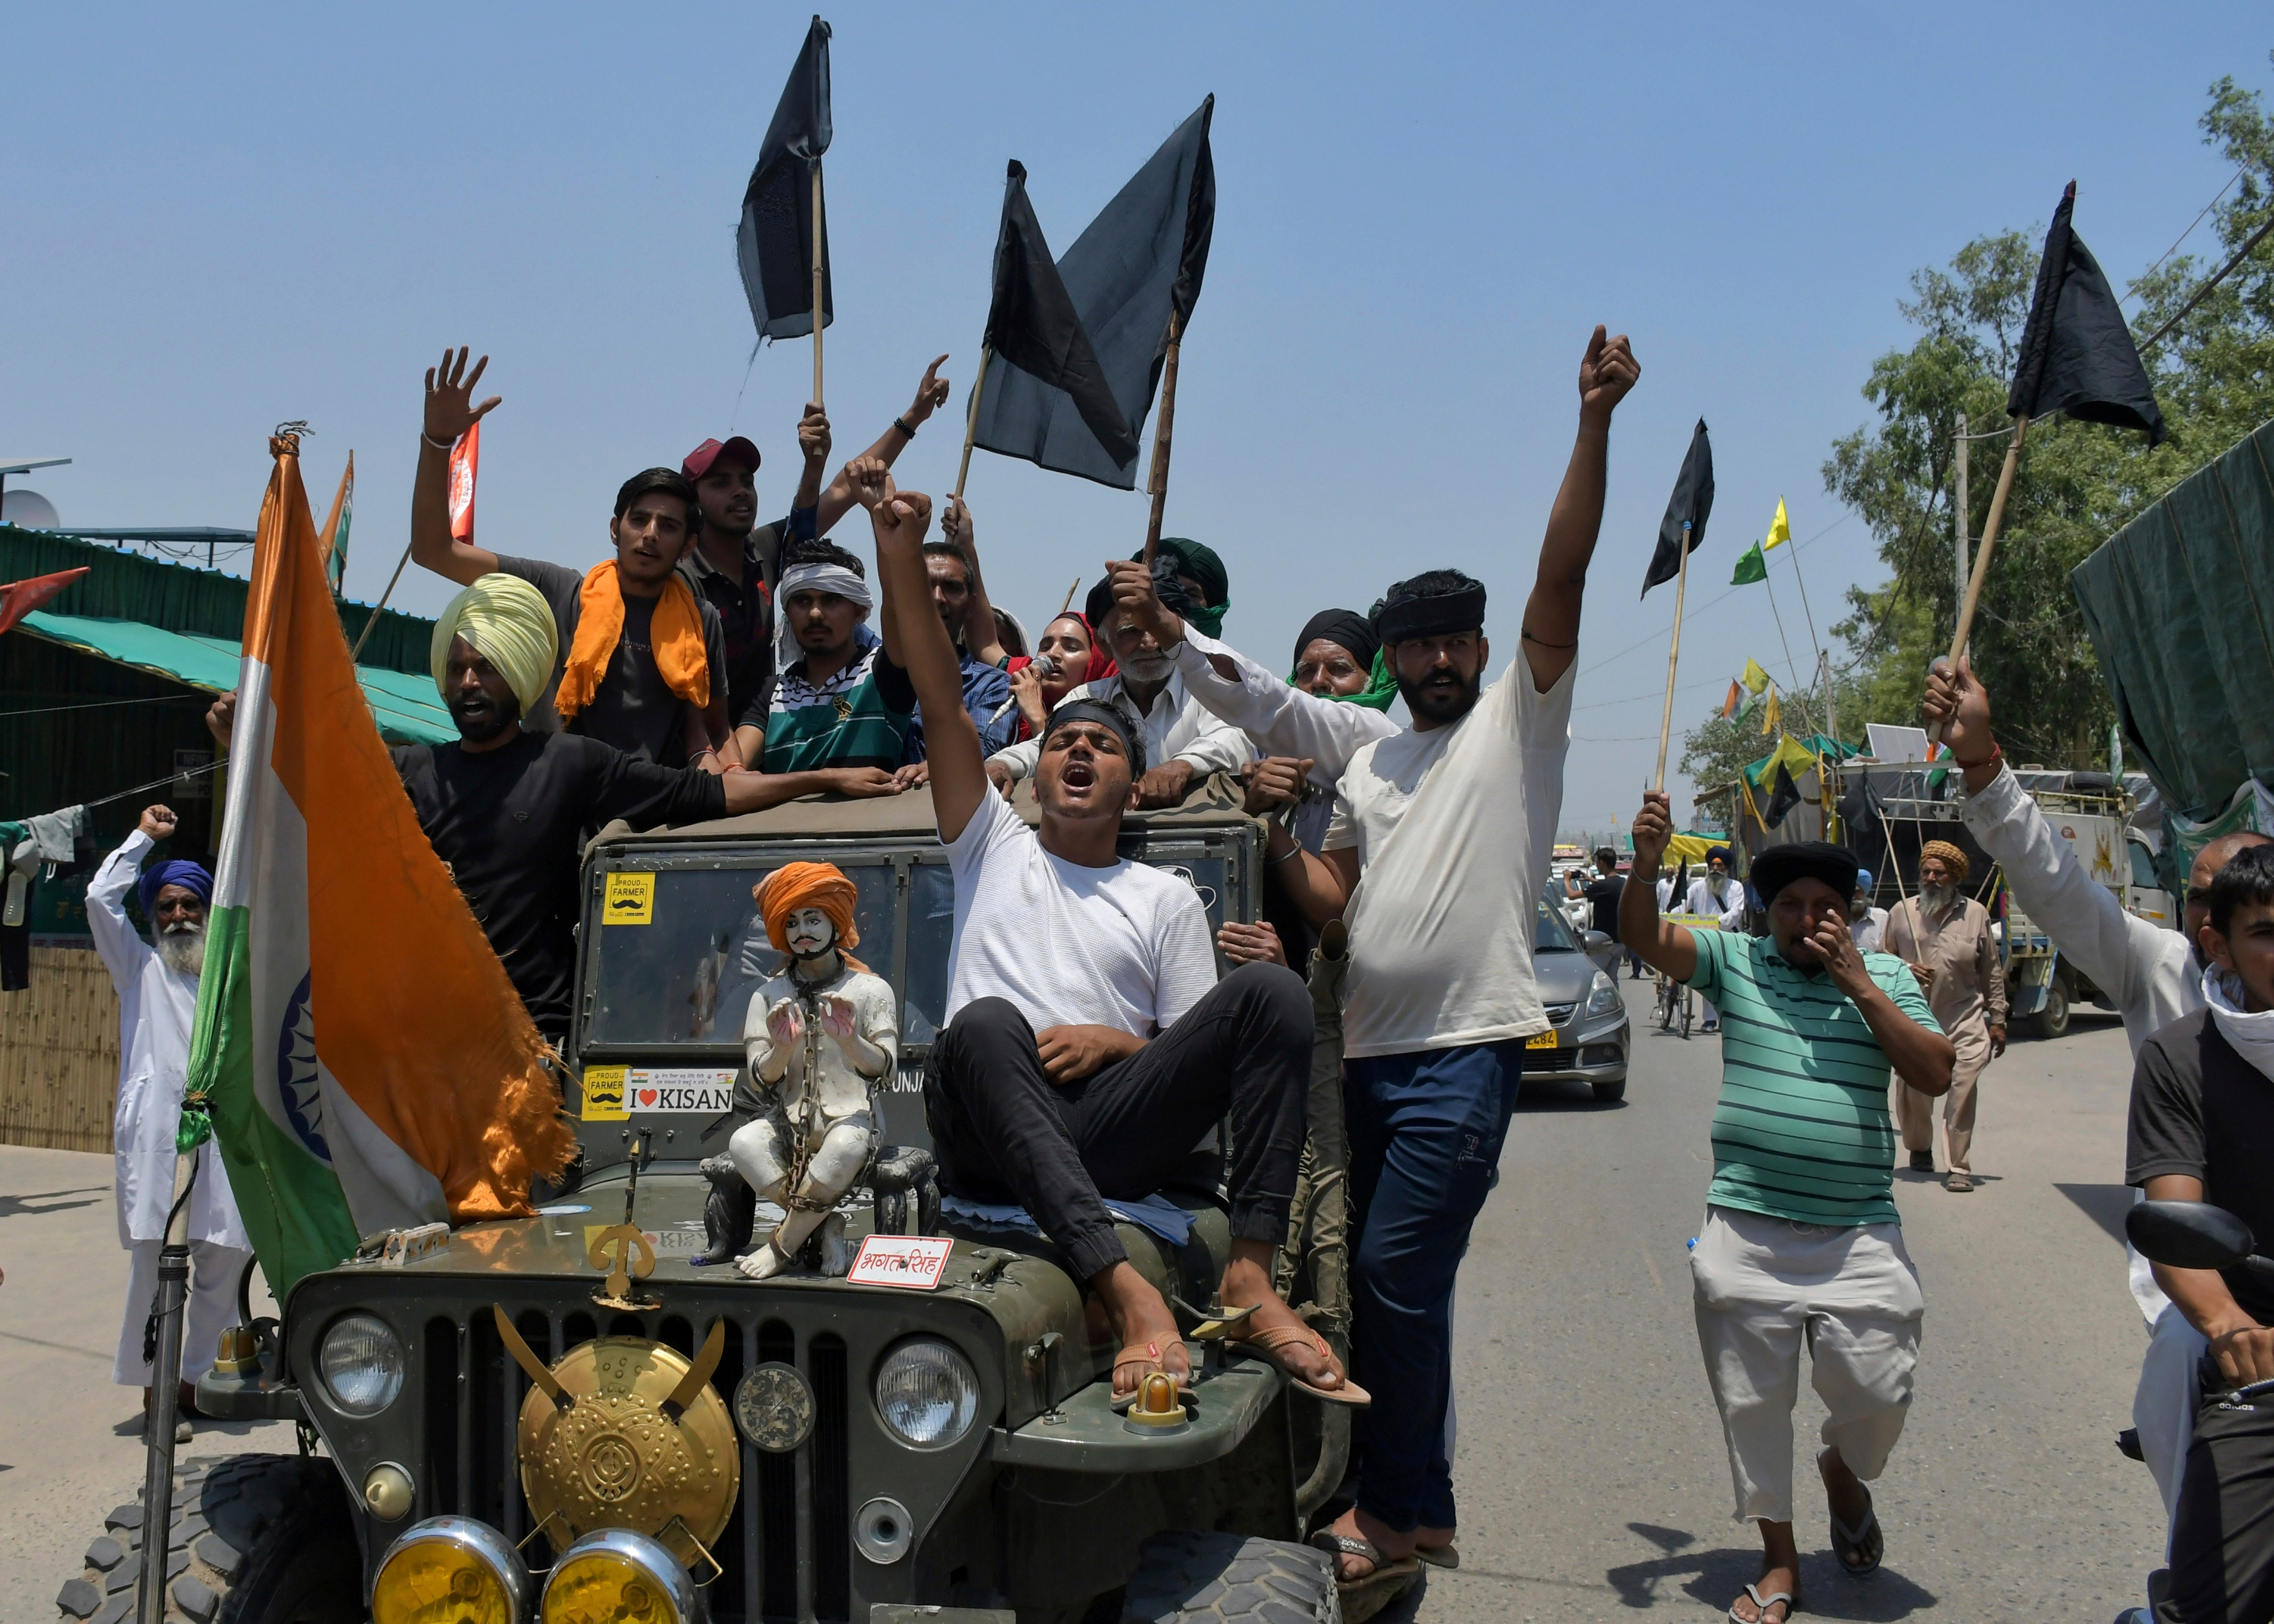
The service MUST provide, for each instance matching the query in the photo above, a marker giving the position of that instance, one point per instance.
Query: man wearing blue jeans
(1439, 849)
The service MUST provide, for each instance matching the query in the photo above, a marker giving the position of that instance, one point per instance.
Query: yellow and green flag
(1752, 567)
(1755, 678)
(1780, 529)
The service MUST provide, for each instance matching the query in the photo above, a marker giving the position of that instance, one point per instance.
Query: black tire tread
(239, 1528)
(1185, 1575)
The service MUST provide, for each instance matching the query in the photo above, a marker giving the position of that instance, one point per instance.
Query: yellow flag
(1772, 716)
(1755, 678)
(1779, 530)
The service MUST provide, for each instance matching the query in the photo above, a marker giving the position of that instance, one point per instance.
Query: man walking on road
(1801, 1241)
(1948, 934)
(2154, 975)
(1715, 894)
(1442, 831)
(157, 984)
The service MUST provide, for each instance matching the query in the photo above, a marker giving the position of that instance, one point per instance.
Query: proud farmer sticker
(629, 900)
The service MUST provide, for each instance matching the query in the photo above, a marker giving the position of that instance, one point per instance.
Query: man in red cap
(735, 561)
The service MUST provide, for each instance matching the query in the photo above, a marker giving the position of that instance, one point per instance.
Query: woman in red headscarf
(1070, 644)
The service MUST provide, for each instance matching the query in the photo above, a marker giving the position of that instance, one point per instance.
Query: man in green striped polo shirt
(1801, 1242)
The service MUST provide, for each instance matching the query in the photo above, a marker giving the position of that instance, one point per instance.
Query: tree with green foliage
(2077, 482)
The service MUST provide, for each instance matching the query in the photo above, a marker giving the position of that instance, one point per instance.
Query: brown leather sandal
(1267, 1343)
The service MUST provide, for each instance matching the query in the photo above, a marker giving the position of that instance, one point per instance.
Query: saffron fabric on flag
(366, 1063)
(19, 599)
(1729, 705)
(1780, 529)
(465, 466)
(332, 545)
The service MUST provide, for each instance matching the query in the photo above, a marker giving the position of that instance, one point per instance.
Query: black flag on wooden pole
(2076, 353)
(1686, 510)
(775, 245)
(1133, 275)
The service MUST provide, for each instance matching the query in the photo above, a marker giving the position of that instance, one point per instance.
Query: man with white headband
(842, 700)
(505, 808)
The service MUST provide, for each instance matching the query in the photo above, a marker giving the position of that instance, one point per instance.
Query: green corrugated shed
(2179, 604)
(119, 585)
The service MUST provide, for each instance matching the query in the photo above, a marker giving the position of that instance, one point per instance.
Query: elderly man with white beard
(157, 984)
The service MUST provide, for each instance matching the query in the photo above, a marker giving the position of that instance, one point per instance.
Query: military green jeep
(521, 1425)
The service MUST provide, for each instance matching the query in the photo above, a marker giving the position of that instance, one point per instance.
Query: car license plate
(1540, 1040)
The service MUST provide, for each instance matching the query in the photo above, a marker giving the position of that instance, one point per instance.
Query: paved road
(1593, 1481)
(1593, 1478)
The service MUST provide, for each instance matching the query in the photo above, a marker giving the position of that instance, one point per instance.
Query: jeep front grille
(787, 1552)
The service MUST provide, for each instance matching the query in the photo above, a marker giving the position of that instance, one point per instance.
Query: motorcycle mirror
(2190, 1235)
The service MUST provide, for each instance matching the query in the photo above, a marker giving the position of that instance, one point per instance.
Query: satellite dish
(30, 509)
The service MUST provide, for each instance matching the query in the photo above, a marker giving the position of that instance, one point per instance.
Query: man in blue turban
(157, 984)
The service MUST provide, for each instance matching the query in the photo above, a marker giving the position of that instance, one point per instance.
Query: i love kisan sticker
(709, 1088)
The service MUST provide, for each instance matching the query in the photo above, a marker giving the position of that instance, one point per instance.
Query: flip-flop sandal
(1369, 1594)
(1845, 1539)
(1446, 1556)
(1147, 1361)
(1266, 1345)
(1762, 1604)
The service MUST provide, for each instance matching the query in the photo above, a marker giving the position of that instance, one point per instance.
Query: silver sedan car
(1587, 1040)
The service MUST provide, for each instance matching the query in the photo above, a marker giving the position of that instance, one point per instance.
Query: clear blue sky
(218, 221)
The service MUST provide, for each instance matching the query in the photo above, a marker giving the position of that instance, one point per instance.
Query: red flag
(19, 599)
(465, 462)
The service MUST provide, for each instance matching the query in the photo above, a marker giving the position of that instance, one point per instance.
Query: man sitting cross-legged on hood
(1088, 1043)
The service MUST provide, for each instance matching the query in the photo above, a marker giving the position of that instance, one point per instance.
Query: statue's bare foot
(836, 1256)
(764, 1264)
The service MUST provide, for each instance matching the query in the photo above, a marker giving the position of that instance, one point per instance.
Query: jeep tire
(1226, 1579)
(255, 1539)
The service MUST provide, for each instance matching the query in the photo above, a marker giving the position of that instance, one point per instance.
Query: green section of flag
(1752, 567)
(291, 1203)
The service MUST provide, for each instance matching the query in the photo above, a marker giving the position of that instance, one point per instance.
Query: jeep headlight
(927, 1393)
(1602, 995)
(613, 1575)
(361, 1362)
(453, 1569)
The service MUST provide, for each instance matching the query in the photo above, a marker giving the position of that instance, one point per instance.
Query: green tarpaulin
(408, 710)
(2180, 604)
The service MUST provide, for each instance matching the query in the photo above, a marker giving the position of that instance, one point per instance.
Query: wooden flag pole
(363, 636)
(1071, 591)
(818, 263)
(971, 423)
(1163, 432)
(1982, 556)
(1673, 658)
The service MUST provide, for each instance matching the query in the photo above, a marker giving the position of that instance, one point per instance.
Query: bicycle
(1673, 1004)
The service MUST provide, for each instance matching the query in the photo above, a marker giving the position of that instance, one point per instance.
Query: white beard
(1936, 897)
(183, 951)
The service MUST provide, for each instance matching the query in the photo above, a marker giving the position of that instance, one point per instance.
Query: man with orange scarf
(642, 659)
(820, 1036)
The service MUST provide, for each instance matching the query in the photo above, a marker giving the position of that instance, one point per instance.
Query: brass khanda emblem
(639, 1439)
(635, 1253)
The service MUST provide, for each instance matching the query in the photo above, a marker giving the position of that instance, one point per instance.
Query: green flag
(1752, 567)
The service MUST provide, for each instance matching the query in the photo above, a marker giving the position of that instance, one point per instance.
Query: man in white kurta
(157, 1006)
(1716, 894)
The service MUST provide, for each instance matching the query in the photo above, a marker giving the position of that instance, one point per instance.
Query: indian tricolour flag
(368, 1062)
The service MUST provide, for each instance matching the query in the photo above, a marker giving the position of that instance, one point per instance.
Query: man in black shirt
(2202, 1129)
(506, 810)
(1602, 895)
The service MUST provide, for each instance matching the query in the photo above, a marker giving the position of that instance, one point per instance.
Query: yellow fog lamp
(451, 1568)
(613, 1575)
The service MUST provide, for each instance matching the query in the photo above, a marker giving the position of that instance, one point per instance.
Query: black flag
(1140, 261)
(1692, 501)
(2076, 354)
(1031, 324)
(774, 244)
(1784, 795)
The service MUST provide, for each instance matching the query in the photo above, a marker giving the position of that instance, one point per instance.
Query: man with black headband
(1440, 997)
(1066, 1078)
(1802, 1242)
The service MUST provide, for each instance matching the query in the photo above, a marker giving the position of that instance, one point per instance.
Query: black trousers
(1004, 1132)
(2223, 1535)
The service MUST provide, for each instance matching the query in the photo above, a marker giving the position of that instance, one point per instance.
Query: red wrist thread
(1997, 753)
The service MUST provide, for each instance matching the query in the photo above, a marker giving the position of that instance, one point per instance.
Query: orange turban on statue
(810, 885)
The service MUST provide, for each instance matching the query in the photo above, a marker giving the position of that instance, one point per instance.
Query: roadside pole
(1958, 512)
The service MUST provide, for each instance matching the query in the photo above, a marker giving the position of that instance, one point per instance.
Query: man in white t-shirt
(1438, 851)
(1088, 1043)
